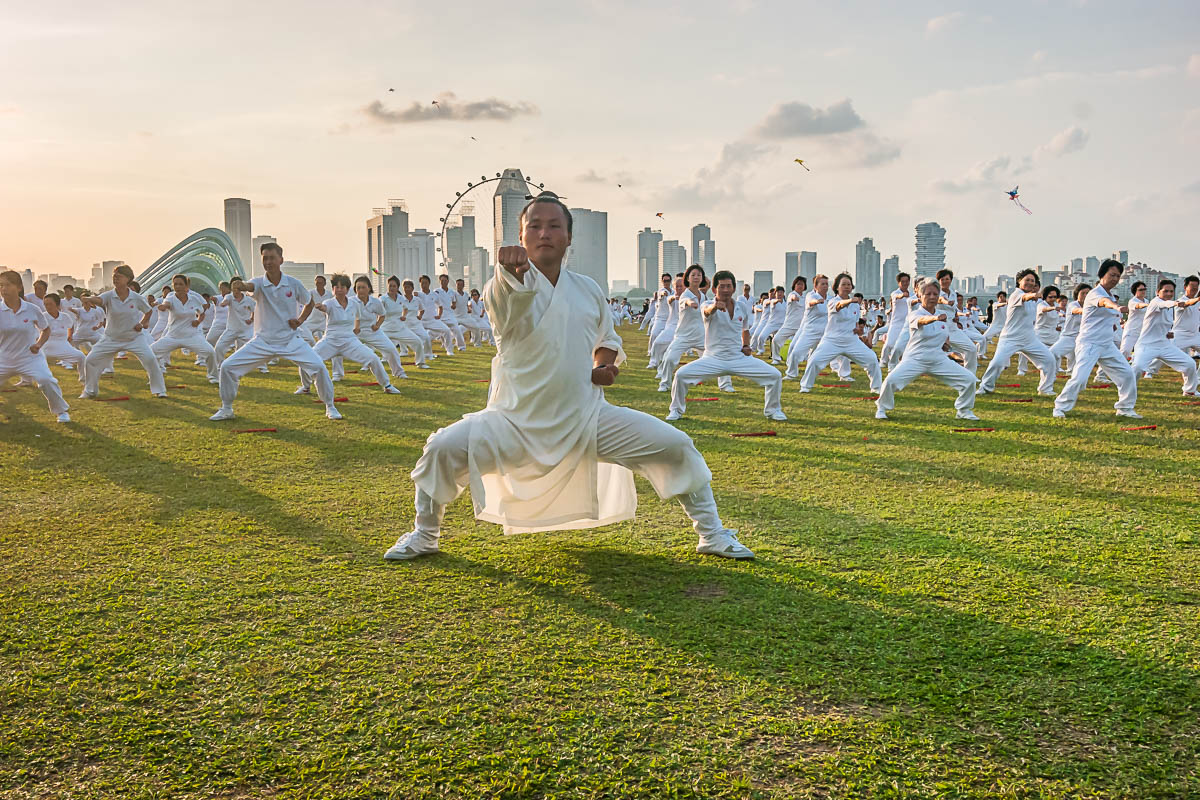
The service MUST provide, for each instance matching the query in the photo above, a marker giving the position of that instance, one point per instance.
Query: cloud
(939, 24)
(792, 120)
(590, 177)
(264, 204)
(1071, 140)
(449, 107)
(721, 184)
(983, 175)
(1193, 67)
(1192, 188)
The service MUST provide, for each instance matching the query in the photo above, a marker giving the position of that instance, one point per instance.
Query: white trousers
(669, 362)
(106, 349)
(637, 441)
(659, 349)
(1129, 339)
(962, 343)
(231, 339)
(214, 333)
(798, 351)
(379, 341)
(1170, 355)
(406, 337)
(767, 330)
(853, 349)
(1109, 357)
(456, 332)
(331, 347)
(193, 340)
(781, 337)
(1064, 348)
(256, 353)
(707, 367)
(1188, 342)
(438, 331)
(62, 350)
(992, 332)
(32, 367)
(939, 366)
(1037, 352)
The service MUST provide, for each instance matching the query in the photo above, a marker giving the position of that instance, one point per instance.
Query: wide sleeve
(508, 299)
(606, 333)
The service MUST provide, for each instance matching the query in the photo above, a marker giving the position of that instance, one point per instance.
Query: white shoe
(332, 413)
(674, 415)
(213, 380)
(86, 395)
(301, 390)
(411, 545)
(880, 415)
(109, 371)
(967, 415)
(160, 395)
(787, 377)
(1130, 414)
(391, 389)
(1060, 414)
(662, 388)
(724, 544)
(422, 366)
(729, 390)
(336, 378)
(778, 416)
(264, 370)
(64, 417)
(222, 413)
(804, 391)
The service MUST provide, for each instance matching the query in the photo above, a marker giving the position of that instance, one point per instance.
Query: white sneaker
(967, 415)
(336, 378)
(391, 389)
(804, 391)
(411, 545)
(332, 413)
(160, 395)
(86, 395)
(1060, 414)
(662, 388)
(1130, 414)
(64, 417)
(422, 366)
(264, 370)
(724, 544)
(213, 380)
(674, 415)
(222, 413)
(880, 415)
(729, 390)
(778, 416)
(301, 390)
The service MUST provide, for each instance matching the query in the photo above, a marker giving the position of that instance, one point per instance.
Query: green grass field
(186, 612)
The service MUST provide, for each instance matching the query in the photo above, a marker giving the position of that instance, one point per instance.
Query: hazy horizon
(126, 124)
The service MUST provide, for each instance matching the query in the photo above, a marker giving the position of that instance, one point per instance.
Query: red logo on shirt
(289, 294)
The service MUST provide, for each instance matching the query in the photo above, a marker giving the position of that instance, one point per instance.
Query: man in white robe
(548, 452)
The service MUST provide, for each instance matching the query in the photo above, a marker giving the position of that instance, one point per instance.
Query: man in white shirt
(239, 320)
(126, 316)
(315, 324)
(1155, 342)
(897, 317)
(1018, 336)
(548, 452)
(665, 290)
(1095, 344)
(275, 334)
(432, 313)
(726, 352)
(448, 300)
(1187, 319)
(23, 332)
(35, 297)
(185, 312)
(400, 315)
(960, 341)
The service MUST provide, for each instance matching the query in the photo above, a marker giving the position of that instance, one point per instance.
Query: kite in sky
(435, 102)
(391, 90)
(659, 214)
(376, 271)
(1016, 198)
(800, 161)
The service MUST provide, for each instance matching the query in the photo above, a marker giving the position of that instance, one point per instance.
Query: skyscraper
(414, 255)
(1121, 255)
(891, 268)
(648, 242)
(931, 249)
(808, 266)
(672, 256)
(588, 253)
(460, 241)
(866, 268)
(384, 230)
(700, 235)
(1076, 265)
(1091, 265)
(764, 281)
(237, 226)
(479, 269)
(508, 201)
(791, 268)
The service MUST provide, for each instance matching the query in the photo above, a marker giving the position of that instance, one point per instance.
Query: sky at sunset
(123, 125)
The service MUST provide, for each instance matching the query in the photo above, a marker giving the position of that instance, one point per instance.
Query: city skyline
(979, 104)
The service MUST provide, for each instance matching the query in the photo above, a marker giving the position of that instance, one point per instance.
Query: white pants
(962, 343)
(781, 337)
(406, 337)
(802, 344)
(231, 339)
(32, 367)
(379, 341)
(438, 330)
(331, 347)
(767, 329)
(1129, 340)
(62, 350)
(747, 367)
(214, 334)
(675, 353)
(656, 329)
(1170, 355)
(642, 443)
(1188, 343)
(659, 349)
(456, 332)
(1115, 367)
(106, 349)
(853, 349)
(256, 353)
(939, 366)
(1064, 348)
(992, 332)
(195, 341)
(898, 348)
(1037, 352)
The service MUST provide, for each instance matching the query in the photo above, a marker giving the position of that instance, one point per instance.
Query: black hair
(1166, 282)
(52, 296)
(1083, 287)
(999, 293)
(1190, 279)
(688, 271)
(1025, 272)
(370, 288)
(901, 275)
(393, 279)
(723, 275)
(270, 246)
(549, 198)
(340, 279)
(1046, 292)
(1136, 285)
(838, 280)
(941, 273)
(1110, 263)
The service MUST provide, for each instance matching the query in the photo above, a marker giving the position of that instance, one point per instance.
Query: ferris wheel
(459, 197)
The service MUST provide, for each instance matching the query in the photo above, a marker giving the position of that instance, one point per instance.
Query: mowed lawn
(187, 612)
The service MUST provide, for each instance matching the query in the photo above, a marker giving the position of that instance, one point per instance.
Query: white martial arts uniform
(689, 335)
(19, 331)
(378, 341)
(999, 315)
(775, 312)
(1152, 344)
(924, 356)
(119, 335)
(399, 312)
(89, 326)
(838, 340)
(897, 326)
(1133, 325)
(662, 310)
(315, 324)
(1047, 326)
(274, 307)
(1064, 347)
(479, 314)
(548, 452)
(1018, 336)
(960, 341)
(58, 347)
(220, 320)
(812, 328)
(1187, 328)
(1095, 345)
(238, 323)
(448, 300)
(723, 357)
(340, 340)
(184, 331)
(436, 329)
(793, 318)
(666, 334)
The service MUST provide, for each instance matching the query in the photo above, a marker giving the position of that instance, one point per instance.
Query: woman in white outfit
(839, 339)
(126, 316)
(897, 320)
(185, 311)
(1137, 313)
(667, 332)
(793, 318)
(775, 309)
(343, 316)
(480, 314)
(1047, 325)
(431, 317)
(1018, 336)
(812, 327)
(239, 320)
(927, 353)
(369, 332)
(23, 332)
(397, 323)
(689, 330)
(60, 346)
(1064, 347)
(1155, 341)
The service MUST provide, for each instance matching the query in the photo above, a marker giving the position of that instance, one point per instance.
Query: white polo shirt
(275, 305)
(19, 330)
(122, 315)
(925, 340)
(723, 332)
(1098, 322)
(182, 313)
(239, 312)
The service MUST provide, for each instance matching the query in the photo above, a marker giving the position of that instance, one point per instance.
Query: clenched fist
(515, 259)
